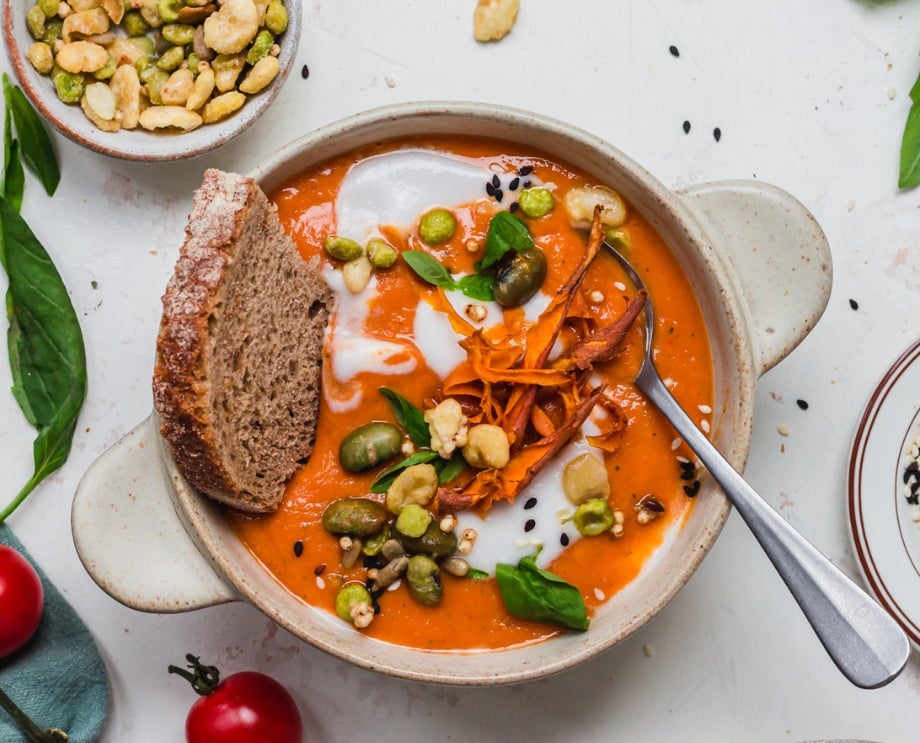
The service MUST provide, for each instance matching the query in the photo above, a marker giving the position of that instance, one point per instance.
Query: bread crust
(193, 390)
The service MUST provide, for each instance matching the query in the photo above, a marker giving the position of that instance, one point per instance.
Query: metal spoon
(863, 640)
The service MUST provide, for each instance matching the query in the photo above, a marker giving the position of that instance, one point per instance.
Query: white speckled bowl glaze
(762, 272)
(137, 144)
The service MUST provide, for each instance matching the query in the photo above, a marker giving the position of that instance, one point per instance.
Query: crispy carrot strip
(489, 486)
(604, 344)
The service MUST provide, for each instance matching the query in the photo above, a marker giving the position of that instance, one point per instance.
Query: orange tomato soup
(472, 614)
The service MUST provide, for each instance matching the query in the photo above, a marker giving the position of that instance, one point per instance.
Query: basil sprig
(506, 233)
(46, 352)
(909, 175)
(532, 593)
(413, 421)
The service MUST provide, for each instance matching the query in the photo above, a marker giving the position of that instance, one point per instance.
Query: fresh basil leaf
(409, 417)
(532, 593)
(429, 269)
(915, 91)
(14, 181)
(448, 469)
(46, 351)
(478, 286)
(382, 483)
(506, 232)
(909, 174)
(477, 574)
(34, 142)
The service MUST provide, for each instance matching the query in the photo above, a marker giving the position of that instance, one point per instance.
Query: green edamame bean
(342, 248)
(520, 278)
(433, 542)
(35, 22)
(276, 17)
(106, 72)
(536, 201)
(593, 517)
(619, 239)
(168, 10)
(413, 520)
(54, 30)
(368, 446)
(261, 46)
(354, 517)
(374, 543)
(178, 33)
(380, 253)
(134, 24)
(154, 83)
(68, 86)
(171, 59)
(424, 580)
(349, 595)
(437, 226)
(49, 7)
(145, 43)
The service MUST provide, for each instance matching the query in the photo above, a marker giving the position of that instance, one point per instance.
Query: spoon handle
(869, 648)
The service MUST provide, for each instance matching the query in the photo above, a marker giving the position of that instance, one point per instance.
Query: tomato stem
(204, 679)
(32, 731)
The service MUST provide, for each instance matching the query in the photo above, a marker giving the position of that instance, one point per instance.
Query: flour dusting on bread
(239, 353)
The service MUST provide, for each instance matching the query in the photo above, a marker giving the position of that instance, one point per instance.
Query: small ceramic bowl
(761, 269)
(137, 144)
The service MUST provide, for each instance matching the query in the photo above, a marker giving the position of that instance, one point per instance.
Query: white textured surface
(802, 93)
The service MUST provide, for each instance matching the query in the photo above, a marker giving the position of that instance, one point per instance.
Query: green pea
(437, 226)
(106, 72)
(145, 44)
(342, 248)
(154, 83)
(276, 17)
(171, 59)
(35, 22)
(619, 239)
(49, 7)
(354, 517)
(536, 201)
(520, 278)
(349, 595)
(178, 33)
(380, 253)
(413, 520)
(261, 46)
(369, 445)
(433, 542)
(54, 30)
(424, 580)
(134, 23)
(168, 10)
(193, 60)
(69, 87)
(593, 517)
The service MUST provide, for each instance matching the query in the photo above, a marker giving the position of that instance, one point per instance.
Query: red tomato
(21, 601)
(246, 707)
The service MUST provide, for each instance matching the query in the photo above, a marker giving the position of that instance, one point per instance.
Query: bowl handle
(780, 258)
(130, 538)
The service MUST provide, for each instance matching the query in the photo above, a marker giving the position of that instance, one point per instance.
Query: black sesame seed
(692, 490)
(529, 525)
(298, 548)
(913, 466)
(526, 170)
(675, 52)
(305, 72)
(854, 305)
(496, 181)
(686, 127)
(913, 499)
(498, 195)
(803, 404)
(717, 134)
(490, 189)
(513, 207)
(526, 184)
(906, 477)
(564, 540)
(319, 569)
(515, 182)
(687, 475)
(688, 466)
(530, 503)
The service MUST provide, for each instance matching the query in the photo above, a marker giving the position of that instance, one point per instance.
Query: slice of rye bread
(239, 353)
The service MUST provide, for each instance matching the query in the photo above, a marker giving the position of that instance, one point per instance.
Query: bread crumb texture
(494, 19)
(237, 376)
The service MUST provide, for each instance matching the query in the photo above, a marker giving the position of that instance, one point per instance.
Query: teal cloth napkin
(58, 679)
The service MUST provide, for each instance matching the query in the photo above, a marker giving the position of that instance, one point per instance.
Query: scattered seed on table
(803, 404)
(305, 72)
(675, 52)
(686, 127)
(854, 305)
(717, 134)
(530, 503)
(298, 548)
(529, 525)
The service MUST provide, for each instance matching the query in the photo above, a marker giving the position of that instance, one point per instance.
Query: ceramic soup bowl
(761, 269)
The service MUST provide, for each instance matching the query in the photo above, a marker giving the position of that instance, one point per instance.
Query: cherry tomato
(246, 707)
(21, 600)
